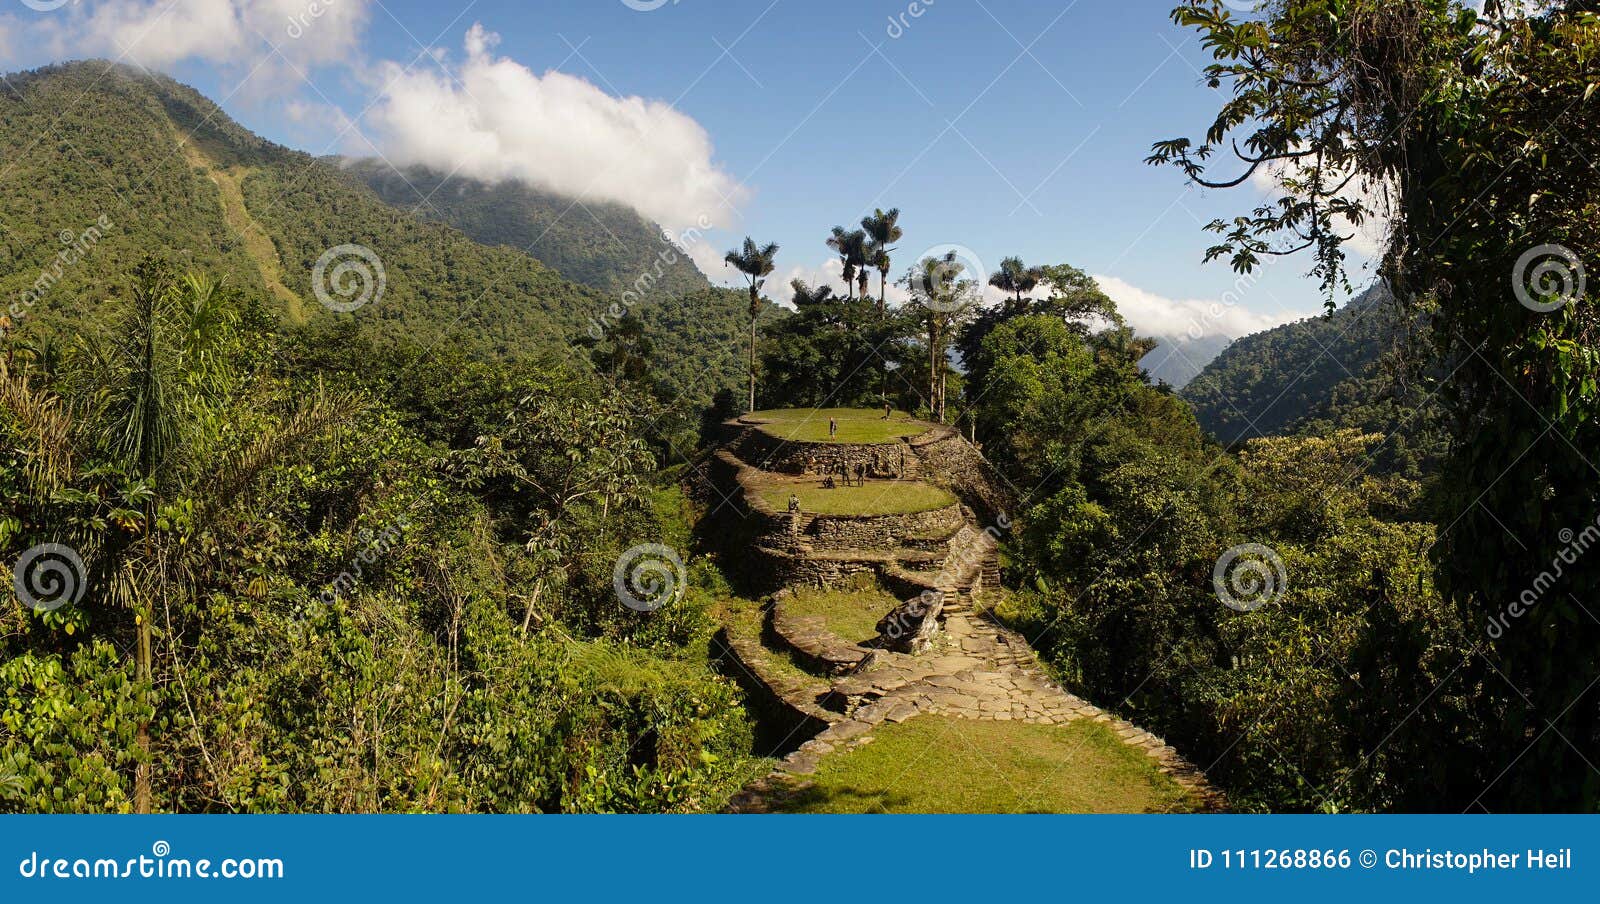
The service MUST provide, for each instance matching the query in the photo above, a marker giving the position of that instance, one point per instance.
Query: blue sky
(1005, 127)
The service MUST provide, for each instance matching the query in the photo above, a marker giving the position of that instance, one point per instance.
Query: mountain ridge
(168, 168)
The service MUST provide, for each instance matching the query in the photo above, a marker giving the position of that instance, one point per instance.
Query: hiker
(828, 483)
(833, 428)
(861, 474)
(886, 409)
(794, 504)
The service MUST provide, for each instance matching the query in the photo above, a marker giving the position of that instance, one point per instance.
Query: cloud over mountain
(494, 119)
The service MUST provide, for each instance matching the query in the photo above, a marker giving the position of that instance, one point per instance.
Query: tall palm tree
(755, 262)
(1016, 278)
(851, 246)
(149, 392)
(883, 228)
(945, 299)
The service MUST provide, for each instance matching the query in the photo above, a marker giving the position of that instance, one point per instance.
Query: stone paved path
(968, 666)
(978, 670)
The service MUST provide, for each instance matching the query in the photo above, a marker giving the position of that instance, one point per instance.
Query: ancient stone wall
(881, 531)
(946, 459)
(762, 450)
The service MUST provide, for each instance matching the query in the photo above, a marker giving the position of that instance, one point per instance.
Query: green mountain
(103, 164)
(1340, 371)
(1176, 360)
(601, 245)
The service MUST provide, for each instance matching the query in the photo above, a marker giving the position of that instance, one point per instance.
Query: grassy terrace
(878, 497)
(852, 612)
(934, 764)
(856, 425)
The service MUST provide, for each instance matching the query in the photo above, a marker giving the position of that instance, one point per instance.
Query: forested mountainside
(1306, 377)
(105, 164)
(597, 243)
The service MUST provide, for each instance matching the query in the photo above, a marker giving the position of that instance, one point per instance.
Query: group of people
(853, 475)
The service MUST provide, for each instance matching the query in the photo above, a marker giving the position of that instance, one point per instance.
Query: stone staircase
(938, 653)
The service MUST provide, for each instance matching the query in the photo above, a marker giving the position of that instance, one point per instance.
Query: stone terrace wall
(946, 459)
(768, 453)
(881, 531)
(939, 455)
(824, 550)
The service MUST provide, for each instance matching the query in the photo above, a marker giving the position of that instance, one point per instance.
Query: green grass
(878, 497)
(936, 764)
(851, 613)
(743, 618)
(856, 425)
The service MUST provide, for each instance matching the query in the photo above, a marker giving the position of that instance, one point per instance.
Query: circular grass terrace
(940, 764)
(852, 612)
(877, 497)
(864, 426)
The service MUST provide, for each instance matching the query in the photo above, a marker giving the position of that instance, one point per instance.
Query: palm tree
(755, 262)
(883, 228)
(945, 299)
(146, 395)
(1013, 276)
(851, 246)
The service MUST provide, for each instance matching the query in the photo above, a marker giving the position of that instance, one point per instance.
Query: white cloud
(271, 46)
(240, 33)
(1192, 318)
(707, 254)
(1371, 237)
(497, 120)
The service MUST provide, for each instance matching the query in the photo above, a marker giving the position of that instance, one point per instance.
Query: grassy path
(943, 764)
(229, 182)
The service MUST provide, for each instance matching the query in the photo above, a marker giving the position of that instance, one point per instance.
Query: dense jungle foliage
(320, 580)
(364, 562)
